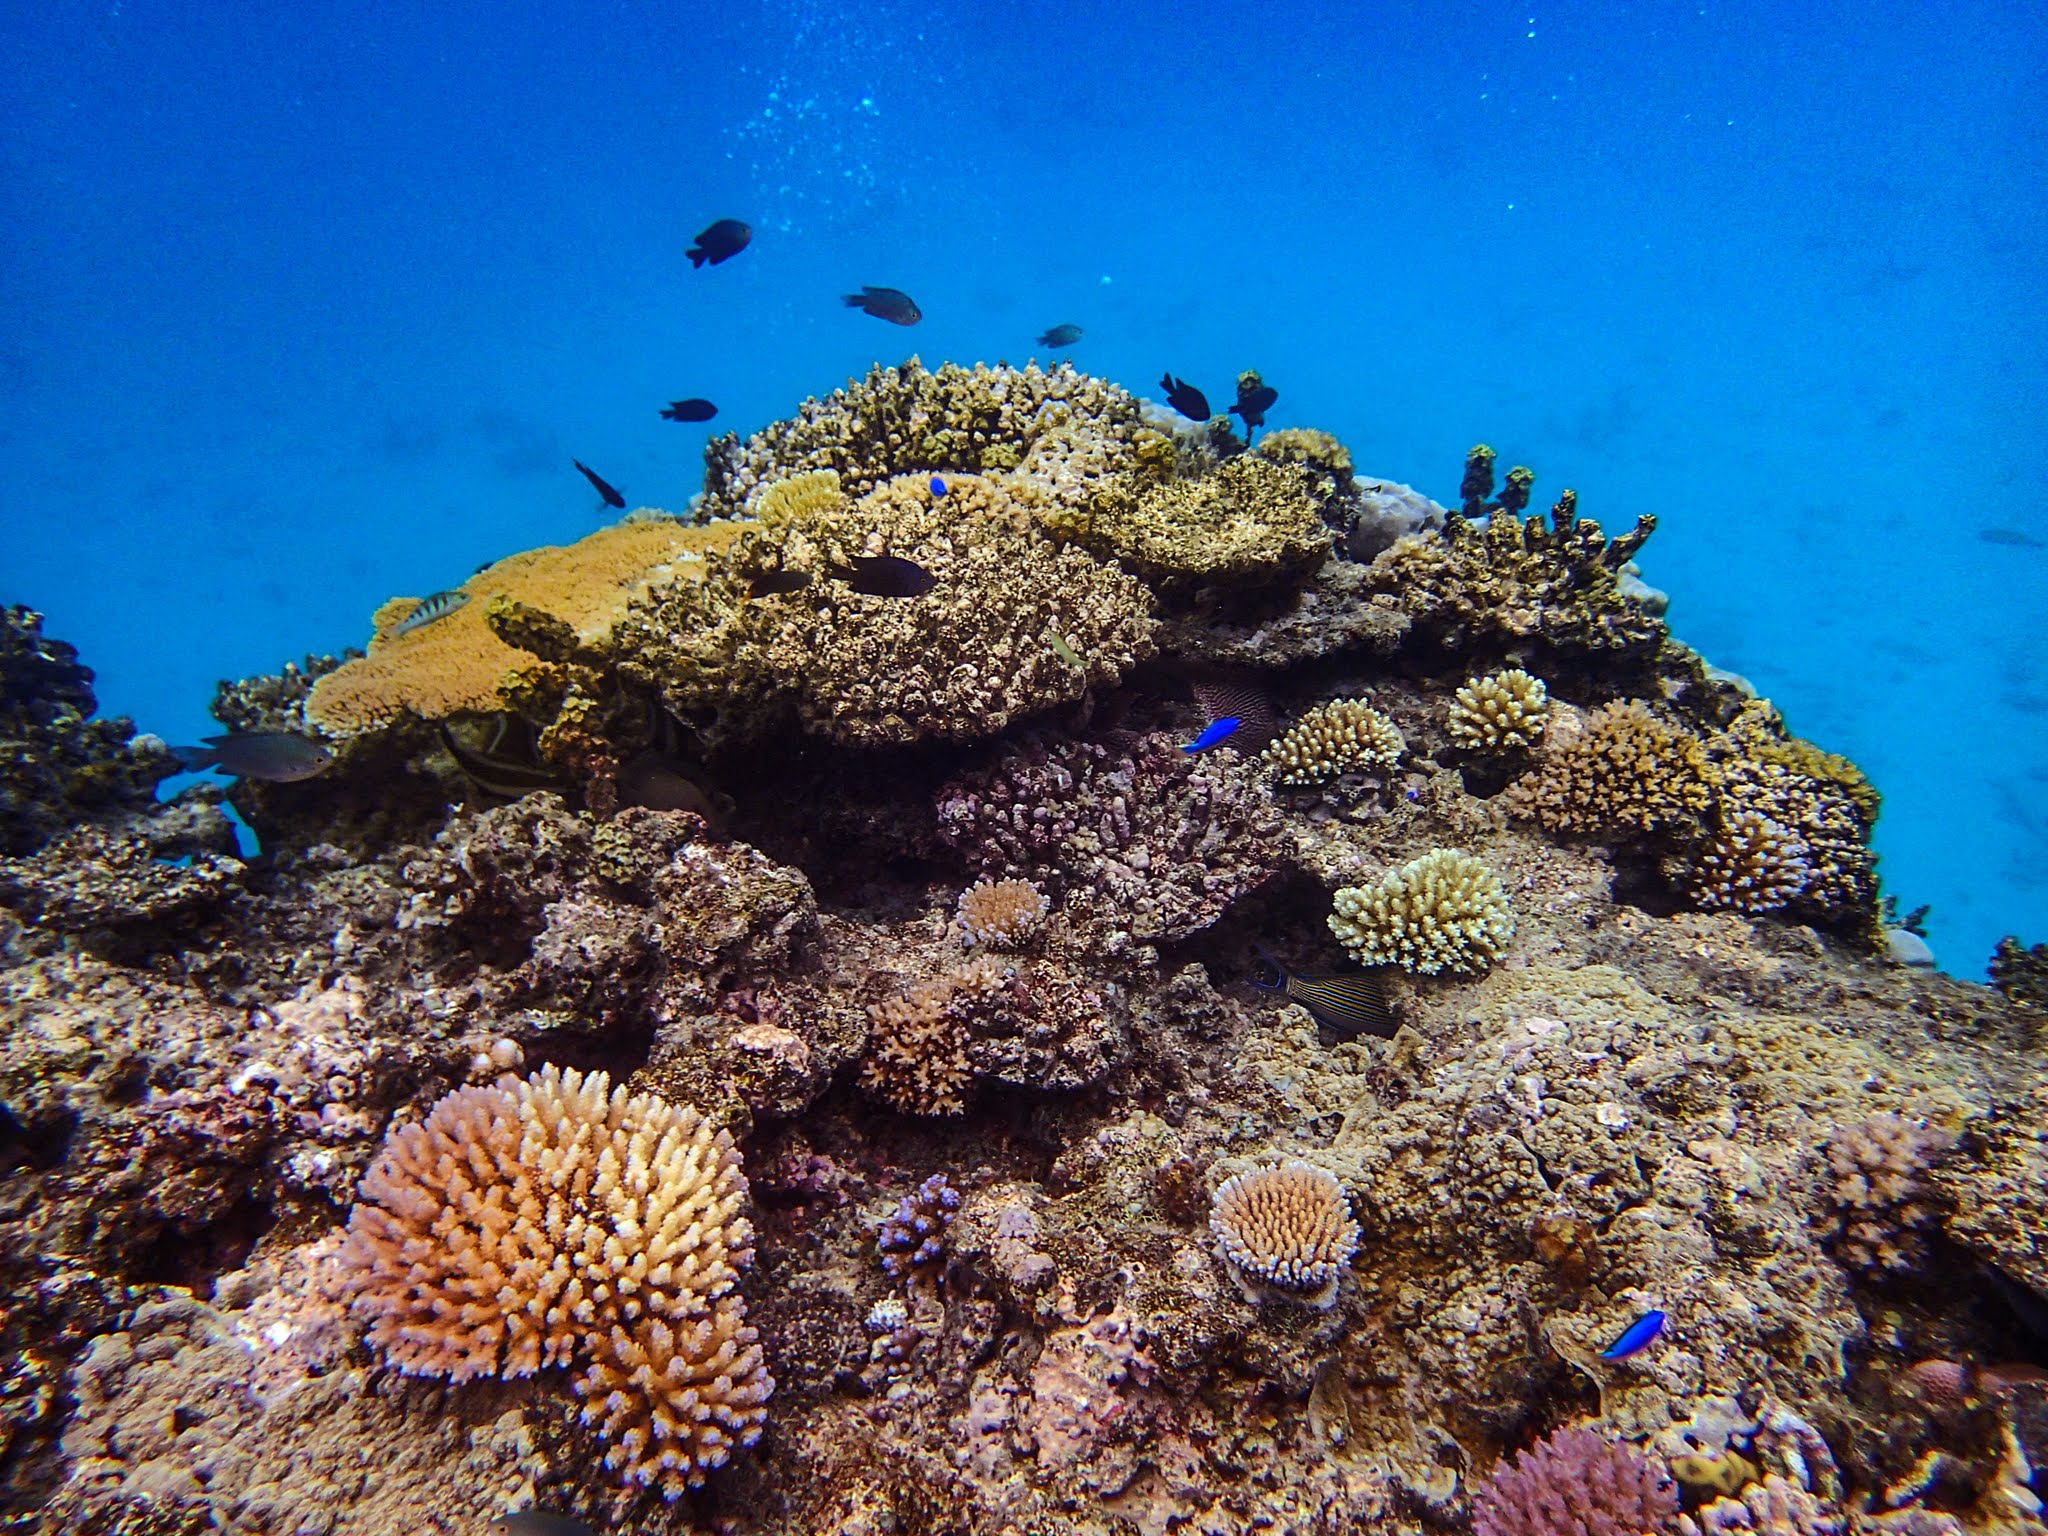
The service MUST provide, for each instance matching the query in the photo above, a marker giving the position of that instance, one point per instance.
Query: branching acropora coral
(555, 1221)
(1001, 914)
(1444, 911)
(1626, 771)
(1577, 1483)
(1499, 712)
(1750, 864)
(912, 1242)
(917, 1052)
(1342, 736)
(1880, 1193)
(1284, 1231)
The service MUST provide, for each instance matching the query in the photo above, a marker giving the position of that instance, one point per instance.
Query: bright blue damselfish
(1638, 1336)
(1217, 731)
(938, 486)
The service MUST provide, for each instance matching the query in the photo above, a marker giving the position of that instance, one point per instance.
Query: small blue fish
(1217, 731)
(1638, 1336)
(938, 486)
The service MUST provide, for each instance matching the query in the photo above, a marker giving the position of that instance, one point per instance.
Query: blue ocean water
(301, 307)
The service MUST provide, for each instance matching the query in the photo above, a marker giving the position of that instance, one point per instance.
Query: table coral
(1445, 911)
(1499, 712)
(1340, 737)
(1163, 842)
(555, 1221)
(1284, 1231)
(462, 664)
(963, 661)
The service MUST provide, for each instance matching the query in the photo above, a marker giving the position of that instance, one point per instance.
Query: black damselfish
(611, 496)
(689, 410)
(890, 304)
(1060, 336)
(1255, 397)
(1347, 1005)
(776, 583)
(1185, 398)
(721, 242)
(885, 576)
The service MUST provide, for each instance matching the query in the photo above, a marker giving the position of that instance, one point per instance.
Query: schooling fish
(610, 493)
(535, 1521)
(1637, 1335)
(890, 304)
(885, 576)
(277, 757)
(1255, 397)
(1345, 1006)
(689, 410)
(1214, 734)
(1185, 398)
(438, 606)
(1060, 336)
(776, 583)
(721, 242)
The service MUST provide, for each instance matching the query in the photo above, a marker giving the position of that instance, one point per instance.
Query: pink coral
(1577, 1483)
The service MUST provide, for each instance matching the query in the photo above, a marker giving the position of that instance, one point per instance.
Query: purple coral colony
(752, 1022)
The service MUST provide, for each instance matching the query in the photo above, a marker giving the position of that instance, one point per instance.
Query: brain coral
(550, 1222)
(1342, 736)
(1285, 1230)
(1067, 431)
(1625, 771)
(1500, 711)
(460, 663)
(1252, 520)
(1442, 912)
(1577, 1483)
(962, 661)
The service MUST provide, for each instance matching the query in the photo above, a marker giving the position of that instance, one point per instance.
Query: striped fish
(439, 606)
(493, 771)
(1222, 697)
(1346, 1006)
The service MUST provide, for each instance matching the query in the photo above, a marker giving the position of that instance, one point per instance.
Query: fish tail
(854, 300)
(696, 258)
(196, 759)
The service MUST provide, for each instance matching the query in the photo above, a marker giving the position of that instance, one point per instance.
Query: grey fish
(890, 304)
(438, 606)
(535, 1521)
(1060, 336)
(654, 782)
(277, 757)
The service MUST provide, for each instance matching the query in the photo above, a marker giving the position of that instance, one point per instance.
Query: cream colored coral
(917, 1052)
(1285, 1229)
(541, 1222)
(1752, 864)
(1342, 736)
(1499, 712)
(1001, 913)
(782, 502)
(1444, 911)
(676, 1396)
(1880, 1191)
(1626, 770)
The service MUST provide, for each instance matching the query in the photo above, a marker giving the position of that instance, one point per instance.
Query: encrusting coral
(1342, 736)
(1445, 911)
(1499, 712)
(1284, 1231)
(1251, 521)
(462, 662)
(554, 1221)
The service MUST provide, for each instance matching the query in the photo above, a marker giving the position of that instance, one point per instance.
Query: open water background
(304, 306)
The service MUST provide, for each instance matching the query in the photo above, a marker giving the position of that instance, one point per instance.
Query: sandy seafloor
(957, 1179)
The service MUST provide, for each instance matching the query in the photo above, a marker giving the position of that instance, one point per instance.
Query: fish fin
(696, 258)
(854, 300)
(196, 759)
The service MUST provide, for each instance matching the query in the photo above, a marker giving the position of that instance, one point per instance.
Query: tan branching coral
(962, 661)
(1823, 817)
(1445, 911)
(1750, 864)
(1626, 771)
(1881, 1196)
(1499, 712)
(1001, 913)
(917, 1059)
(460, 663)
(1250, 521)
(1342, 736)
(555, 1221)
(1285, 1231)
(799, 497)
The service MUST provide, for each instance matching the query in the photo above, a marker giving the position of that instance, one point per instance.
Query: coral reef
(1445, 911)
(917, 1059)
(1622, 770)
(556, 1221)
(1284, 1231)
(2021, 971)
(1499, 712)
(1576, 1483)
(1342, 736)
(912, 1242)
(1251, 522)
(1886, 1207)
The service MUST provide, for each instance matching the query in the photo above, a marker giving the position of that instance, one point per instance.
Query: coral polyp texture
(849, 826)
(1342, 736)
(1445, 911)
(557, 1221)
(1285, 1231)
(1499, 712)
(1575, 1482)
